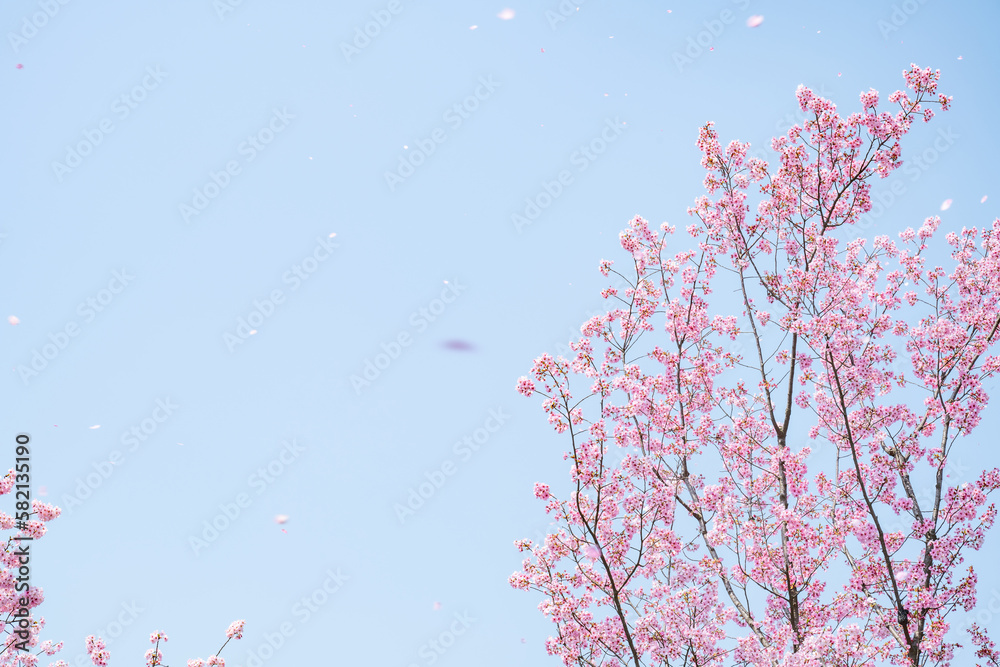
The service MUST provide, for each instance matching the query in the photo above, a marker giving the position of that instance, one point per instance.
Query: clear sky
(174, 174)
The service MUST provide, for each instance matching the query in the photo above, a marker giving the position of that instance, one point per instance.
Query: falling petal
(523, 640)
(458, 345)
(253, 331)
(983, 200)
(946, 204)
(281, 518)
(437, 605)
(20, 66)
(95, 426)
(332, 234)
(755, 21)
(284, 531)
(42, 491)
(181, 444)
(507, 14)
(473, 27)
(13, 319)
(960, 57)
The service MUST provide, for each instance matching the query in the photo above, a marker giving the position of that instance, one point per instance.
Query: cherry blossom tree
(783, 496)
(21, 645)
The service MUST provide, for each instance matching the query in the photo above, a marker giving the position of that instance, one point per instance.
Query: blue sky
(224, 145)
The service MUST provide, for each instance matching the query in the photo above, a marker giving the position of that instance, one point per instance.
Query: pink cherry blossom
(757, 428)
(33, 597)
(235, 630)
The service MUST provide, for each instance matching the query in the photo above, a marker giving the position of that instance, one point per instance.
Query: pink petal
(755, 21)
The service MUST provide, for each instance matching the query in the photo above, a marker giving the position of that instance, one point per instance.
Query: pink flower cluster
(10, 600)
(235, 630)
(96, 650)
(720, 538)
